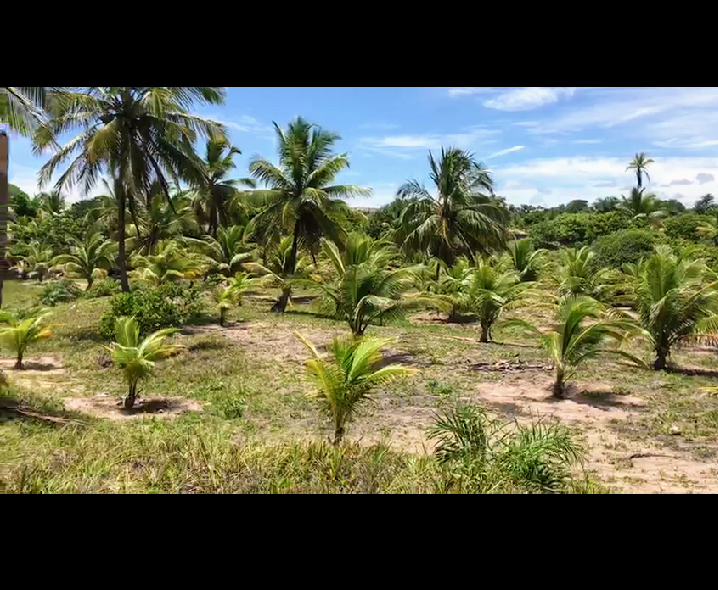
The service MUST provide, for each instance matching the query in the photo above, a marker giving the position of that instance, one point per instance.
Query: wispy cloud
(470, 90)
(522, 99)
(510, 150)
(405, 144)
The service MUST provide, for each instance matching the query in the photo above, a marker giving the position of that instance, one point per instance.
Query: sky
(544, 145)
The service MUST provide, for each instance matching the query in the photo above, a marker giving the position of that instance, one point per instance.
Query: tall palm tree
(22, 107)
(639, 163)
(139, 134)
(86, 256)
(214, 191)
(461, 219)
(302, 199)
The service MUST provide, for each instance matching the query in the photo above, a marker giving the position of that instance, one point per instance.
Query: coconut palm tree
(95, 252)
(38, 259)
(461, 219)
(641, 205)
(583, 326)
(135, 358)
(676, 299)
(18, 331)
(490, 292)
(704, 204)
(171, 263)
(526, 261)
(640, 163)
(139, 134)
(228, 251)
(214, 192)
(52, 203)
(348, 377)
(365, 287)
(301, 197)
(231, 295)
(577, 275)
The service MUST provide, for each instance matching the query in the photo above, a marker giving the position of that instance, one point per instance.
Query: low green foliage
(169, 305)
(623, 247)
(577, 229)
(686, 226)
(482, 455)
(60, 291)
(103, 288)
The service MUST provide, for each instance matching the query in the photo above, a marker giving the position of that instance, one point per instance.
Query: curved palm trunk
(20, 354)
(89, 282)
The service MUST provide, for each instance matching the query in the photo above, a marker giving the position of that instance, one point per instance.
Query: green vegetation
(183, 255)
(349, 377)
(20, 330)
(137, 358)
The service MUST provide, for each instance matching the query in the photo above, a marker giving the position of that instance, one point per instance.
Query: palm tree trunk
(484, 332)
(3, 205)
(122, 255)
(131, 396)
(290, 266)
(89, 283)
(661, 358)
(558, 386)
(222, 315)
(338, 435)
(18, 364)
(639, 177)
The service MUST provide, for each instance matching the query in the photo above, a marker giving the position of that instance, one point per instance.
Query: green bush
(59, 292)
(684, 226)
(103, 288)
(621, 247)
(577, 229)
(167, 306)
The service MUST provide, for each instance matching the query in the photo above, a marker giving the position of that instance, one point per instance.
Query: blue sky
(544, 145)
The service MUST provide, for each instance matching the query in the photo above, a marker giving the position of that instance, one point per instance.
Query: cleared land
(234, 389)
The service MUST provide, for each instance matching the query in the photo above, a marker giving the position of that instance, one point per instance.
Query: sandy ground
(111, 408)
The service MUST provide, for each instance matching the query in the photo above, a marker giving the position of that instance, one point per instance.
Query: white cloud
(470, 90)
(406, 146)
(25, 178)
(591, 178)
(521, 99)
(516, 148)
(586, 141)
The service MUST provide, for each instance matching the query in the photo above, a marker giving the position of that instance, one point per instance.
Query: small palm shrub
(86, 257)
(479, 454)
(231, 294)
(525, 260)
(677, 300)
(166, 306)
(103, 288)
(19, 330)
(137, 358)
(365, 287)
(347, 377)
(583, 325)
(577, 275)
(60, 291)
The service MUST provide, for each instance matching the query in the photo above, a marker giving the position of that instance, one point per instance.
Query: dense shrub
(166, 306)
(59, 292)
(684, 226)
(577, 229)
(103, 288)
(621, 247)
